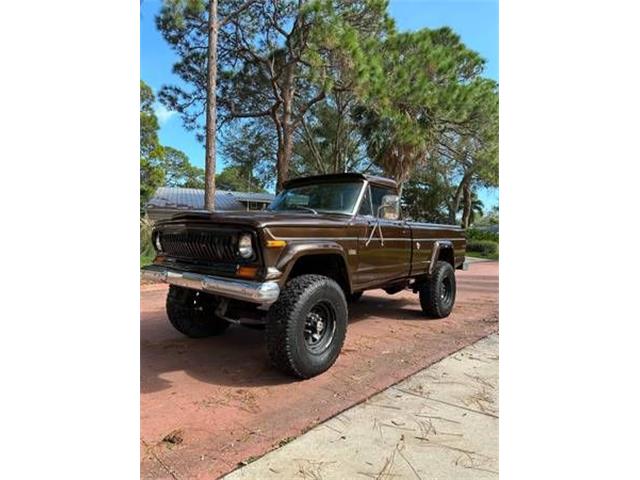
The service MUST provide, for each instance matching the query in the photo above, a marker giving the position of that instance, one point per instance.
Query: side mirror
(390, 207)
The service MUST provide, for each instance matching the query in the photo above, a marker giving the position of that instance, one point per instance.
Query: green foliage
(147, 252)
(491, 218)
(475, 234)
(277, 60)
(429, 111)
(329, 86)
(151, 172)
(424, 197)
(148, 122)
(160, 164)
(236, 179)
(251, 149)
(179, 172)
(486, 248)
(151, 177)
(423, 86)
(329, 141)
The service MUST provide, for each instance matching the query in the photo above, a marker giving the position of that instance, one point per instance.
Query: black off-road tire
(355, 296)
(288, 326)
(438, 292)
(192, 313)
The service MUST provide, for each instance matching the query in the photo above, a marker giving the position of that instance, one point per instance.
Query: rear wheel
(438, 292)
(307, 325)
(192, 313)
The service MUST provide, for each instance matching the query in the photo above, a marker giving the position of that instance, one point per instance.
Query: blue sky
(476, 21)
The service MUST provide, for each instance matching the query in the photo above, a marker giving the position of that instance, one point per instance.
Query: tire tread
(280, 329)
(430, 303)
(185, 319)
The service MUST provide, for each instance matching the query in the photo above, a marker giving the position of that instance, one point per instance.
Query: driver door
(384, 244)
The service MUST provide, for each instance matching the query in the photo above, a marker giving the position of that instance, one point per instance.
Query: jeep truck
(293, 268)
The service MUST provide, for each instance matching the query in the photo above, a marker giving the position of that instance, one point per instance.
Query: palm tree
(474, 206)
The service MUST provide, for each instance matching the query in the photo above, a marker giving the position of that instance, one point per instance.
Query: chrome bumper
(255, 292)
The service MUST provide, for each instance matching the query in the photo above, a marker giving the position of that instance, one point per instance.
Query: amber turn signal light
(247, 272)
(276, 243)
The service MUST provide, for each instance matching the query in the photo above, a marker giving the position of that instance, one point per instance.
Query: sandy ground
(208, 405)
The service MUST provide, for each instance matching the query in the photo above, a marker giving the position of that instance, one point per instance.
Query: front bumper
(264, 293)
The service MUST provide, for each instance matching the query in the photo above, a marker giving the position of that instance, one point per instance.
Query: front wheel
(306, 326)
(354, 297)
(438, 292)
(192, 313)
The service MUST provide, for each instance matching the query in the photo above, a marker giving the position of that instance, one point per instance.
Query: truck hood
(260, 219)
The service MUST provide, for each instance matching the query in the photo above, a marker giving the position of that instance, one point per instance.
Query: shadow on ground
(238, 358)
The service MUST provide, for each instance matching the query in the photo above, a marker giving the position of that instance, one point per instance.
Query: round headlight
(157, 242)
(245, 248)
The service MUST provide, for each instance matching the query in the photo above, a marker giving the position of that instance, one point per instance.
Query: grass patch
(146, 259)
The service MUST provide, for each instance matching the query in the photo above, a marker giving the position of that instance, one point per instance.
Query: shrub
(484, 247)
(474, 234)
(147, 251)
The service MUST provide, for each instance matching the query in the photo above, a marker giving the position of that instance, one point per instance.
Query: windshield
(339, 197)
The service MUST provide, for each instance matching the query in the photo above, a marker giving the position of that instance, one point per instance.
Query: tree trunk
(279, 162)
(210, 139)
(337, 146)
(285, 147)
(466, 206)
(284, 154)
(454, 205)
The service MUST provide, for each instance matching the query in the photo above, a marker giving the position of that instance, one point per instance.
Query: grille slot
(208, 246)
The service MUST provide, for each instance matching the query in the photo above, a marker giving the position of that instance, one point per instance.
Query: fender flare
(438, 246)
(295, 251)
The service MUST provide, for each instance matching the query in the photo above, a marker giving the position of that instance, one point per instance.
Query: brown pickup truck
(293, 268)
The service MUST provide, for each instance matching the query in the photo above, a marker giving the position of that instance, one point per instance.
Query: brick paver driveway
(207, 405)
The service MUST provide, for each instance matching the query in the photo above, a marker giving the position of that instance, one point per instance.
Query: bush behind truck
(294, 267)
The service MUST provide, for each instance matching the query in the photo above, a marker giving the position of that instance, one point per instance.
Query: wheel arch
(320, 259)
(442, 251)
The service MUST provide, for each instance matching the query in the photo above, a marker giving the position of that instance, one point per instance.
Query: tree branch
(235, 114)
(237, 12)
(318, 98)
(312, 146)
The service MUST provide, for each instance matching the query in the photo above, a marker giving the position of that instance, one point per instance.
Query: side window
(365, 206)
(376, 197)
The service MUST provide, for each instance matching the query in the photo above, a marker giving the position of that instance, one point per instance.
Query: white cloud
(163, 113)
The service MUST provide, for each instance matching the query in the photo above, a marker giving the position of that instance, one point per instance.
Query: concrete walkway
(441, 423)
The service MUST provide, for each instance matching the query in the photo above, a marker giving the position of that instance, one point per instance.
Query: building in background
(169, 201)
